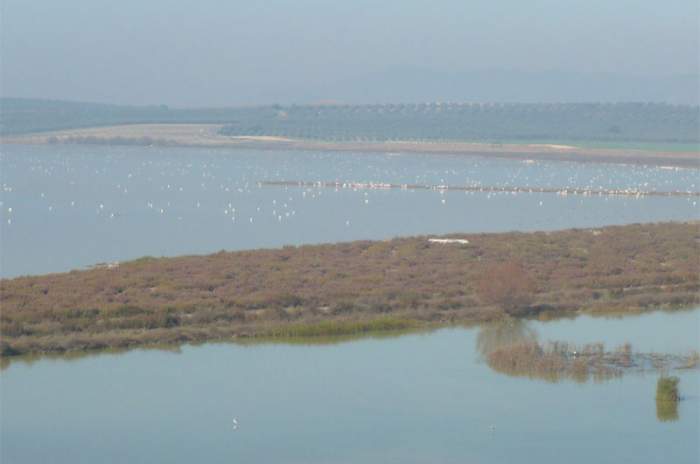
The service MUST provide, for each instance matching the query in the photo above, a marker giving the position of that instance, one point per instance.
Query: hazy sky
(207, 52)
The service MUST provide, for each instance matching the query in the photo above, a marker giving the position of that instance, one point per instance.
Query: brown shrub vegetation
(506, 285)
(625, 268)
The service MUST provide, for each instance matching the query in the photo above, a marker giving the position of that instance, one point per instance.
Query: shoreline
(353, 332)
(207, 136)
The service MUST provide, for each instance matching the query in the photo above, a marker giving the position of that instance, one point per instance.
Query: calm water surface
(66, 207)
(414, 398)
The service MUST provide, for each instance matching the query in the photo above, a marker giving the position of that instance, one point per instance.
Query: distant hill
(609, 122)
(21, 115)
(514, 86)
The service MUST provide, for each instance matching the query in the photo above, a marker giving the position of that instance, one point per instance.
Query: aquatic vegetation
(335, 328)
(557, 361)
(667, 398)
(553, 362)
(667, 389)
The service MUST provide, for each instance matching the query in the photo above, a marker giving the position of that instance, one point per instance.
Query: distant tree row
(623, 122)
(492, 122)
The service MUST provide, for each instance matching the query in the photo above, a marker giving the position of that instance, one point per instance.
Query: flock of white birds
(117, 186)
(83, 205)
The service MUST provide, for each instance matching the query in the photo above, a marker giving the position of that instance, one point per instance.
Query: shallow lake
(67, 207)
(427, 397)
(413, 398)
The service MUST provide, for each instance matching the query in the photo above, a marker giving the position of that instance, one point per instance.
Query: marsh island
(353, 287)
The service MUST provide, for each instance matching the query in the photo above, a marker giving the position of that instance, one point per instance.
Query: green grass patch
(333, 328)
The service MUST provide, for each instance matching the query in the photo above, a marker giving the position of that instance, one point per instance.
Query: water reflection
(511, 347)
(71, 356)
(494, 336)
(325, 340)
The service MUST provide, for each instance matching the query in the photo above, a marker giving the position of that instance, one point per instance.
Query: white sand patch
(262, 138)
(552, 146)
(460, 241)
